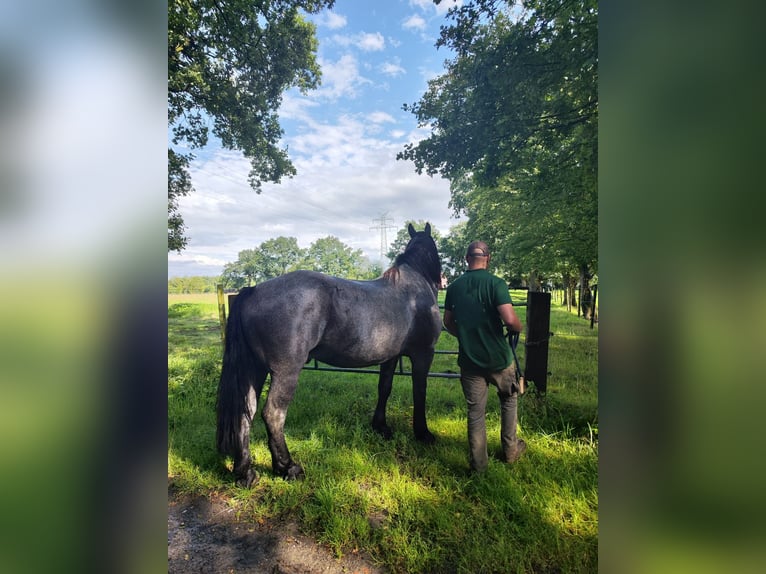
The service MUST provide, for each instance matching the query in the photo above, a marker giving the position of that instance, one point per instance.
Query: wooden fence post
(593, 310)
(221, 311)
(536, 345)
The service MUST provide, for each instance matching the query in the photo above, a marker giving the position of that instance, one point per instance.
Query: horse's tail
(240, 371)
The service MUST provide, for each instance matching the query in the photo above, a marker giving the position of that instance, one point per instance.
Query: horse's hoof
(426, 437)
(295, 472)
(250, 478)
(384, 431)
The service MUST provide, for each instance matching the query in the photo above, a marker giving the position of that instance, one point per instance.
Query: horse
(277, 326)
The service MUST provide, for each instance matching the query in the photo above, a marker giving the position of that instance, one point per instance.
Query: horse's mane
(422, 256)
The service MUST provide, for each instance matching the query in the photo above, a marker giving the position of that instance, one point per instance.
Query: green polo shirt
(473, 299)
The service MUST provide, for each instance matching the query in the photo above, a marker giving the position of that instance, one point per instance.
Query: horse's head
(421, 254)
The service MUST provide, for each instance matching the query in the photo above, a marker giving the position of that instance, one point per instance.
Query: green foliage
(452, 250)
(272, 258)
(179, 184)
(514, 128)
(331, 256)
(194, 284)
(414, 508)
(228, 66)
(278, 256)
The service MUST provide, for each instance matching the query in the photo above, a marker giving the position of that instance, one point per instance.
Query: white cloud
(347, 176)
(331, 20)
(392, 69)
(295, 107)
(372, 42)
(440, 9)
(445, 5)
(414, 22)
(203, 260)
(422, 4)
(380, 117)
(341, 78)
(364, 41)
(343, 139)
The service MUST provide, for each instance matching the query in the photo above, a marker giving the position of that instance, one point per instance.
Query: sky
(342, 138)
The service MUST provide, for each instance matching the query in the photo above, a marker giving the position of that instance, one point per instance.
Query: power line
(382, 225)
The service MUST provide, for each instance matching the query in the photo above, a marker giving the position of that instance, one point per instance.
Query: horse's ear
(428, 229)
(411, 230)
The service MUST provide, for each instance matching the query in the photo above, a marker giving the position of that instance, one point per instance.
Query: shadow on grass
(444, 519)
(554, 414)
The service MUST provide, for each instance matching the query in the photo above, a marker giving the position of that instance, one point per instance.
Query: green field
(412, 507)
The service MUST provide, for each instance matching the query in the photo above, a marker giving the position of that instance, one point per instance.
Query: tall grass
(414, 508)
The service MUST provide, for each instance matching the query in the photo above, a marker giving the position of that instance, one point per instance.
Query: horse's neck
(415, 273)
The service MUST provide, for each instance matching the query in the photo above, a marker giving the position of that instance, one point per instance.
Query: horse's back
(373, 321)
(338, 321)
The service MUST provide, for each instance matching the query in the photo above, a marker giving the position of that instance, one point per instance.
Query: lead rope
(513, 340)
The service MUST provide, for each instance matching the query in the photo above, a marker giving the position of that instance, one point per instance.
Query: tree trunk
(534, 282)
(585, 294)
(572, 292)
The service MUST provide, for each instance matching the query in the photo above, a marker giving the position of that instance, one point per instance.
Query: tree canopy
(228, 65)
(275, 257)
(270, 259)
(514, 128)
(331, 256)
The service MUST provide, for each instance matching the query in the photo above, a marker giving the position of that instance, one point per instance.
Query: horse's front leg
(421, 363)
(385, 381)
(280, 396)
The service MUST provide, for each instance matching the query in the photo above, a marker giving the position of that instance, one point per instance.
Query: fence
(538, 307)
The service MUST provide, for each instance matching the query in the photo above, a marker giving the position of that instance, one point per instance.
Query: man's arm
(449, 322)
(508, 315)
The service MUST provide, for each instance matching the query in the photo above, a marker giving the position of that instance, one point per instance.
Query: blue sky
(342, 138)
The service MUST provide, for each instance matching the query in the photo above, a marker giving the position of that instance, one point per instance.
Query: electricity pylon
(382, 225)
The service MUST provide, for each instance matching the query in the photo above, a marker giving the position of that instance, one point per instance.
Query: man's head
(477, 255)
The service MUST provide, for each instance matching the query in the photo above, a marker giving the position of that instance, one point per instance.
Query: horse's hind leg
(244, 474)
(421, 363)
(274, 414)
(384, 391)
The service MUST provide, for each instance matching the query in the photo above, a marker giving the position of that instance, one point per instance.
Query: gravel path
(205, 536)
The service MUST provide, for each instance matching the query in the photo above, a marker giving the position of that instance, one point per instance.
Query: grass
(412, 507)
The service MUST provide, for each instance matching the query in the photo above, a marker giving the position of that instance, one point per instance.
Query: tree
(243, 272)
(228, 65)
(179, 184)
(452, 249)
(195, 284)
(514, 128)
(272, 258)
(278, 256)
(331, 256)
(374, 270)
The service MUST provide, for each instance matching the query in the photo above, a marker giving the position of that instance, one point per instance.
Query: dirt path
(205, 536)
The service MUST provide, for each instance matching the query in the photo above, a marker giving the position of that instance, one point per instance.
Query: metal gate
(538, 306)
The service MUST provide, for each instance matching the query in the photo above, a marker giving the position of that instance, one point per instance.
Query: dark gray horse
(277, 326)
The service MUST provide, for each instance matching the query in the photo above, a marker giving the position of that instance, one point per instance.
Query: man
(476, 307)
